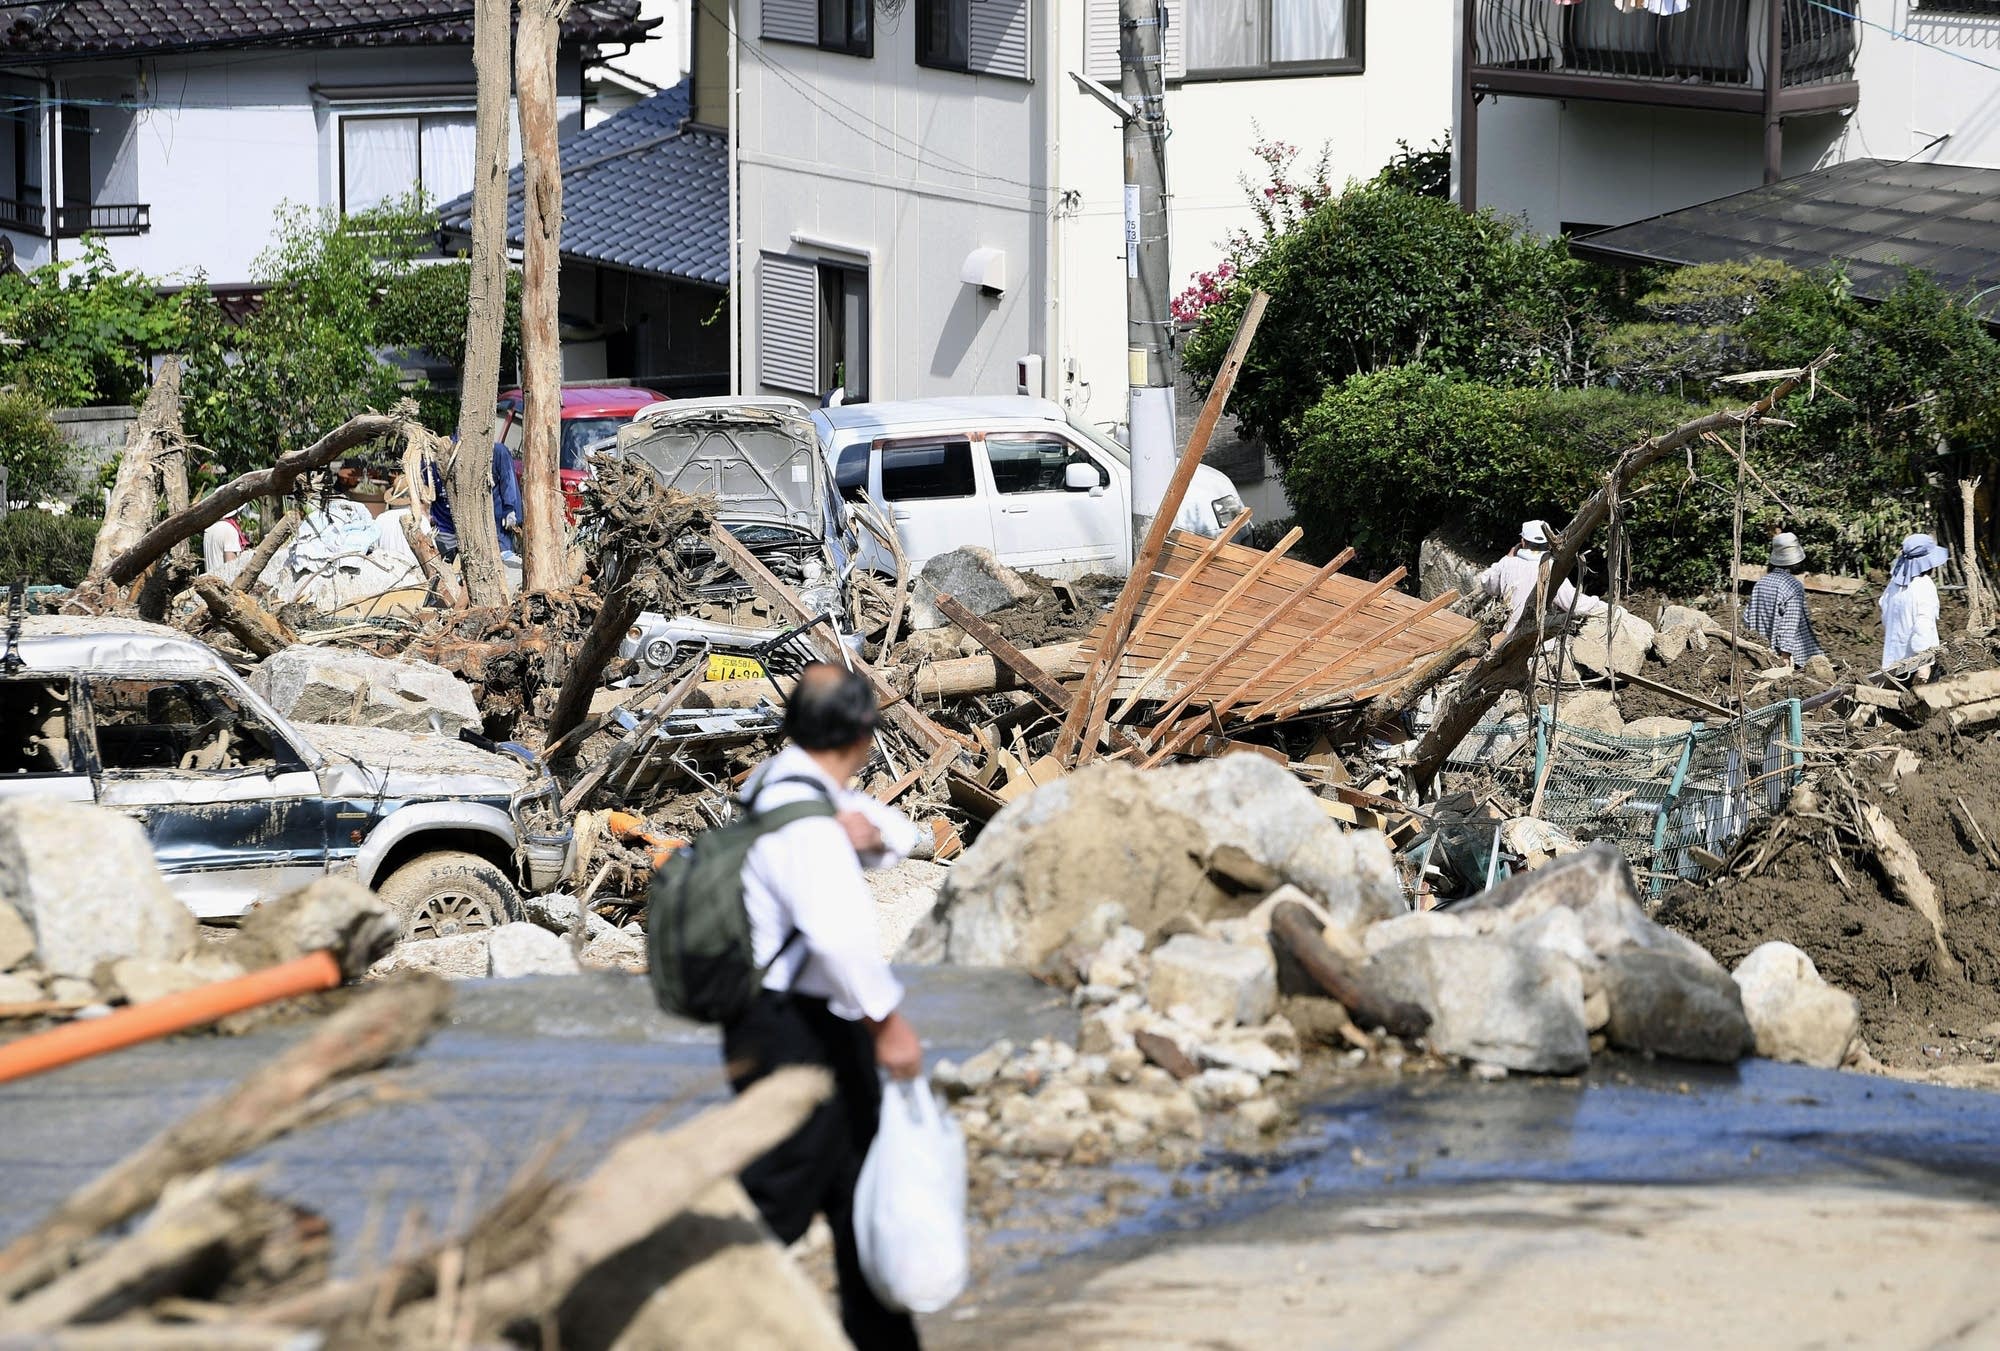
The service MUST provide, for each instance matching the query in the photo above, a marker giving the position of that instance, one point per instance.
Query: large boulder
(1592, 710)
(455, 957)
(1628, 645)
(83, 878)
(1145, 839)
(1671, 1005)
(1680, 628)
(1492, 1000)
(971, 576)
(1442, 566)
(1222, 983)
(1794, 1014)
(334, 914)
(1597, 883)
(330, 685)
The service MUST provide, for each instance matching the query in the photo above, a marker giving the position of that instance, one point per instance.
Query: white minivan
(1008, 473)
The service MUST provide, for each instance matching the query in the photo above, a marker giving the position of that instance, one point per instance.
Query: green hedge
(47, 549)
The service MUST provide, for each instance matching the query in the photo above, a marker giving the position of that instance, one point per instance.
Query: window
(34, 728)
(980, 37)
(813, 327)
(384, 158)
(1035, 464)
(850, 471)
(833, 25)
(195, 725)
(585, 436)
(917, 472)
(1233, 39)
(1960, 6)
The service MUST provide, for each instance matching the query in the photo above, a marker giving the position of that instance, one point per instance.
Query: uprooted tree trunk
(262, 633)
(135, 497)
(275, 481)
(1506, 664)
(544, 547)
(266, 550)
(470, 474)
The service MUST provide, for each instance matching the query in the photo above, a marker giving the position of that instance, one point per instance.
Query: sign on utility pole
(1149, 353)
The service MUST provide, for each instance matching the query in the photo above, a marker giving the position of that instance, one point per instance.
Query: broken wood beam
(1691, 700)
(1110, 651)
(262, 633)
(1004, 652)
(275, 481)
(267, 548)
(1294, 926)
(1821, 583)
(1976, 687)
(1905, 875)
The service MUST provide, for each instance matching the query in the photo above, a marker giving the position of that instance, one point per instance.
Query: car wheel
(450, 892)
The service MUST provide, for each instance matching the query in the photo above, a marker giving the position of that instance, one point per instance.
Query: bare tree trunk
(135, 494)
(544, 562)
(471, 486)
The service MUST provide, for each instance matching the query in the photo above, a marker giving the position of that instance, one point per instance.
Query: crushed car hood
(405, 764)
(761, 464)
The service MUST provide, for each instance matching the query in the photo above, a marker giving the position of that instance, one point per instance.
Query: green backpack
(698, 944)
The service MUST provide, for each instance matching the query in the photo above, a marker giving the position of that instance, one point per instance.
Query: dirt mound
(1914, 1013)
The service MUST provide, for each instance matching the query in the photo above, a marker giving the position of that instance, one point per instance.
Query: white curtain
(1308, 30)
(378, 160)
(447, 145)
(1227, 34)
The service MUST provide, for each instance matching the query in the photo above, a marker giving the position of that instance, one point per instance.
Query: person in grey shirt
(1777, 609)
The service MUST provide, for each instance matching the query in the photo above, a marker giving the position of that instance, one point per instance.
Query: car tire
(450, 892)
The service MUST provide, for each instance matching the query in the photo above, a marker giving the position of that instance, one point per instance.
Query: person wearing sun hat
(1777, 609)
(1909, 603)
(1517, 578)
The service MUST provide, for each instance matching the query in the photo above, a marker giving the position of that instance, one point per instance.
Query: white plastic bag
(909, 1204)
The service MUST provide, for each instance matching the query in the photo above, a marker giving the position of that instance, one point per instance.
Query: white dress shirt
(806, 878)
(1909, 620)
(1514, 579)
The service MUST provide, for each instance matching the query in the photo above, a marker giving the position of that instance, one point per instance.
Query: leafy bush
(40, 464)
(1687, 333)
(1425, 173)
(84, 329)
(424, 307)
(46, 548)
(1378, 277)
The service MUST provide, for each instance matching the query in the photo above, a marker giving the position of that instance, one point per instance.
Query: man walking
(1777, 609)
(828, 998)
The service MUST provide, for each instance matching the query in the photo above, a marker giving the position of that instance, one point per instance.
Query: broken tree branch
(1004, 652)
(275, 481)
(1505, 666)
(262, 633)
(267, 549)
(1294, 926)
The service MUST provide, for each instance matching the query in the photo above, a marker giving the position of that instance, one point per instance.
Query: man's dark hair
(831, 707)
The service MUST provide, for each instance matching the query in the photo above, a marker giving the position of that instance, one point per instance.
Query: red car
(591, 417)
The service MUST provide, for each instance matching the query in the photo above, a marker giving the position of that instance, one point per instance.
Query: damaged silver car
(242, 806)
(759, 458)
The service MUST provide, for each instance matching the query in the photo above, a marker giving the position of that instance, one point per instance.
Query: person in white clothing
(1518, 576)
(1909, 603)
(828, 998)
(221, 545)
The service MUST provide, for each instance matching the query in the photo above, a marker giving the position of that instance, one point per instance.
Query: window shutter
(1100, 40)
(788, 323)
(999, 38)
(790, 20)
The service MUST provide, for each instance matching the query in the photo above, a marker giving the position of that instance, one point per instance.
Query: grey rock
(615, 950)
(140, 980)
(1598, 884)
(1442, 567)
(1492, 1000)
(72, 990)
(336, 914)
(973, 577)
(524, 949)
(17, 940)
(1630, 644)
(18, 989)
(457, 957)
(331, 685)
(1223, 983)
(1680, 628)
(1670, 1005)
(1794, 1014)
(83, 878)
(1592, 710)
(1658, 727)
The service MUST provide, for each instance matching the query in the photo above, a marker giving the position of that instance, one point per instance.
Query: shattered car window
(194, 725)
(34, 727)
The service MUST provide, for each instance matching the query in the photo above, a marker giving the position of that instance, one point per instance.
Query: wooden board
(1826, 584)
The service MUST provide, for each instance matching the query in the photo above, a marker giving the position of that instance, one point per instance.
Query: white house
(176, 128)
(1598, 113)
(925, 197)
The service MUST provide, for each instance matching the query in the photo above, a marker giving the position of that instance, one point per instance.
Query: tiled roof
(640, 190)
(72, 29)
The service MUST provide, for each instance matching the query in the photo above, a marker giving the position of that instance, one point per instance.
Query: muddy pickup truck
(241, 806)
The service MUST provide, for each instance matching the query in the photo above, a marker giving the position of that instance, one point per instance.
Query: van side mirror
(1080, 476)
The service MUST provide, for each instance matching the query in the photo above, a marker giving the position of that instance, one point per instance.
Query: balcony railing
(1712, 53)
(101, 218)
(19, 215)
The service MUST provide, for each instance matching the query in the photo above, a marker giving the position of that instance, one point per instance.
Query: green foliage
(46, 548)
(1378, 277)
(1423, 173)
(425, 307)
(40, 464)
(1686, 334)
(83, 330)
(308, 359)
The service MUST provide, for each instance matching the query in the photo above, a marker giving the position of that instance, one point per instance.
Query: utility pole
(1149, 352)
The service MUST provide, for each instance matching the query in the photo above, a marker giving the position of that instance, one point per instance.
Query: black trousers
(814, 1171)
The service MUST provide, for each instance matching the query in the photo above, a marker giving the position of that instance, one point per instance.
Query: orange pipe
(632, 830)
(162, 1017)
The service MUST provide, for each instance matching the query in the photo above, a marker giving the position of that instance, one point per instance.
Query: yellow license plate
(723, 667)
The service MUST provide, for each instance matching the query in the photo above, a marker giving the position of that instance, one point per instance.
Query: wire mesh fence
(1661, 799)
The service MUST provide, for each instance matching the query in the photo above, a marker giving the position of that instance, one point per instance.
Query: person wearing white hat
(1909, 603)
(221, 543)
(1518, 576)
(1777, 609)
